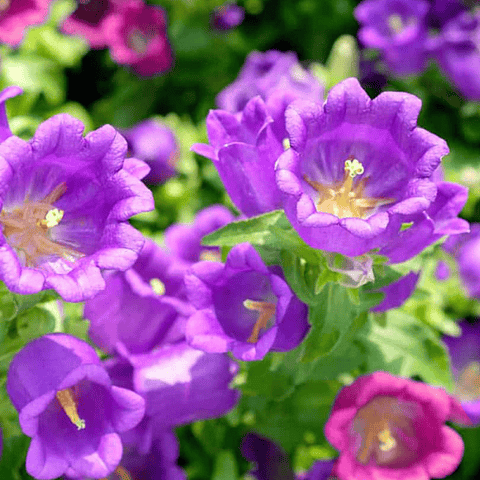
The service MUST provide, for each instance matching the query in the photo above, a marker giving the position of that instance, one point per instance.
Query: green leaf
(406, 347)
(34, 323)
(225, 466)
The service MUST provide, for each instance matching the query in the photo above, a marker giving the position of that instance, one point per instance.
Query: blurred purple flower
(243, 307)
(66, 201)
(465, 358)
(17, 15)
(137, 36)
(390, 427)
(397, 292)
(156, 145)
(228, 16)
(67, 404)
(244, 148)
(351, 136)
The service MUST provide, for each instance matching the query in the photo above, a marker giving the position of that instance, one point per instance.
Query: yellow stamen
(52, 218)
(4, 4)
(286, 143)
(122, 473)
(395, 23)
(157, 286)
(210, 256)
(354, 167)
(387, 442)
(266, 312)
(69, 406)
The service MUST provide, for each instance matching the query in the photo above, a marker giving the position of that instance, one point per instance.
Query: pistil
(66, 400)
(157, 286)
(266, 311)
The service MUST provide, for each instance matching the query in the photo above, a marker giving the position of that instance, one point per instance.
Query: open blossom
(465, 358)
(243, 306)
(390, 427)
(17, 15)
(156, 145)
(69, 407)
(137, 36)
(359, 168)
(66, 201)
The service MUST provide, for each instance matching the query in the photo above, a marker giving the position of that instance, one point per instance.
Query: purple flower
(243, 307)
(156, 145)
(66, 201)
(88, 21)
(137, 36)
(398, 29)
(390, 427)
(17, 15)
(244, 148)
(265, 74)
(179, 384)
(228, 16)
(67, 404)
(397, 292)
(465, 358)
(378, 141)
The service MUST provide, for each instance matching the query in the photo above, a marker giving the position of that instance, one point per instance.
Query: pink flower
(16, 15)
(389, 428)
(137, 36)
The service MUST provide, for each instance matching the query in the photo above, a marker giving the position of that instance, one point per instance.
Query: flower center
(385, 425)
(121, 473)
(344, 199)
(138, 40)
(69, 405)
(4, 5)
(266, 311)
(467, 387)
(395, 23)
(157, 286)
(27, 228)
(210, 256)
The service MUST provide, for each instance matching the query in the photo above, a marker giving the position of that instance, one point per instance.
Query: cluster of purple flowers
(410, 32)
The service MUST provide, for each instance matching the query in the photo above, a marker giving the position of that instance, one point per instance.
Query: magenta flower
(88, 21)
(66, 201)
(17, 15)
(390, 427)
(243, 307)
(137, 36)
(67, 404)
(228, 16)
(156, 145)
(359, 168)
(398, 29)
(244, 148)
(465, 358)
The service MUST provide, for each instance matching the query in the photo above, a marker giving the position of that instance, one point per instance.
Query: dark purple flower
(88, 21)
(398, 29)
(391, 427)
(17, 15)
(465, 358)
(353, 136)
(243, 307)
(228, 16)
(179, 384)
(137, 36)
(441, 11)
(156, 145)
(244, 148)
(67, 404)
(66, 201)
(397, 292)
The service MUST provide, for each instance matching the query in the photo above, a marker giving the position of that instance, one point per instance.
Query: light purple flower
(66, 201)
(228, 16)
(243, 307)
(390, 427)
(398, 29)
(465, 358)
(17, 15)
(156, 145)
(137, 36)
(377, 140)
(244, 148)
(397, 292)
(88, 21)
(67, 404)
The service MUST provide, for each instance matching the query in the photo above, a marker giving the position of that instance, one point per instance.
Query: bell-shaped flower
(69, 407)
(390, 427)
(359, 168)
(243, 306)
(65, 204)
